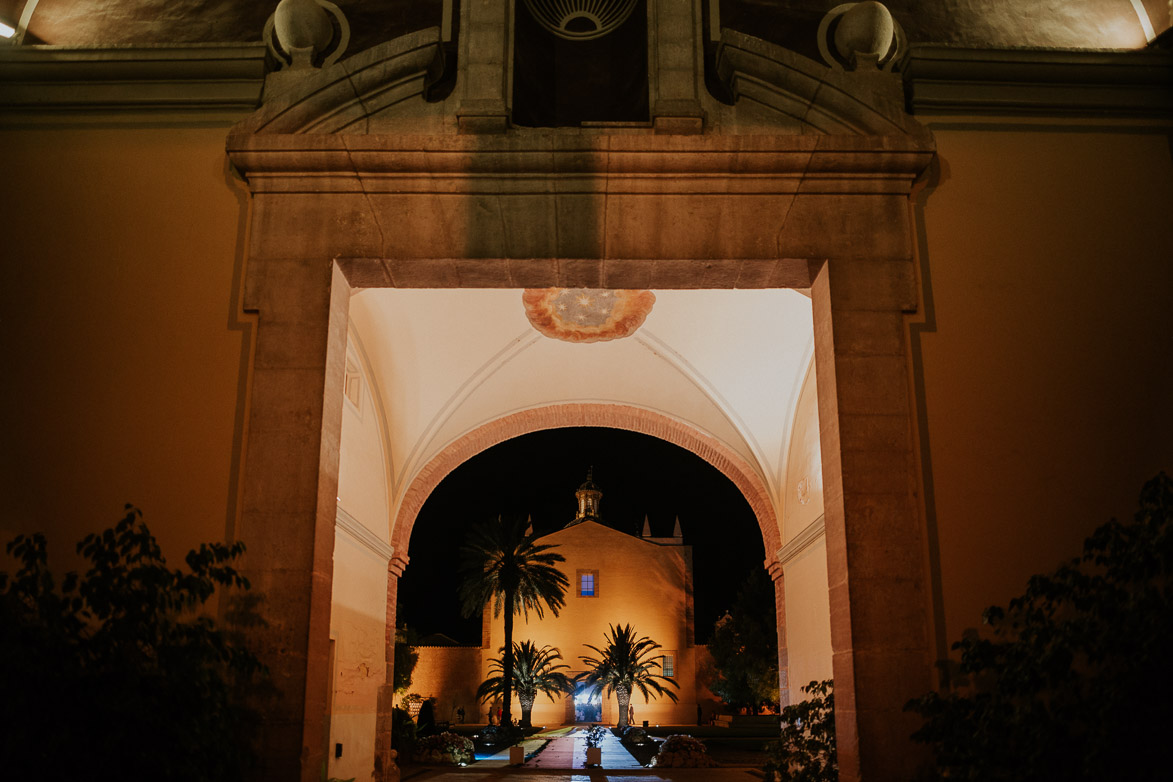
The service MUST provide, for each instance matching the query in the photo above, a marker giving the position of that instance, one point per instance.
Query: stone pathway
(569, 752)
(479, 774)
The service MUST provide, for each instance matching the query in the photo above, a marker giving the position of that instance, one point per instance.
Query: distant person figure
(499, 722)
(460, 715)
(630, 714)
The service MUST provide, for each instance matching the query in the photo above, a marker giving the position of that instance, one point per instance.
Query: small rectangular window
(668, 662)
(588, 583)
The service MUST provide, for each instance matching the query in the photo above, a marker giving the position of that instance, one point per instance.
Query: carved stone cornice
(208, 82)
(563, 162)
(943, 79)
(358, 532)
(802, 541)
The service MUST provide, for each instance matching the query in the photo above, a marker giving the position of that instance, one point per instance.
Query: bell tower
(589, 498)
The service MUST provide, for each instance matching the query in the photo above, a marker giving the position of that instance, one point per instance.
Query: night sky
(537, 474)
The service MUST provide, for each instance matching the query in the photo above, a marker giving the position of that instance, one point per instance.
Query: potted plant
(594, 752)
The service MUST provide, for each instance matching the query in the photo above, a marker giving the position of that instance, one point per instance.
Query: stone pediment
(801, 94)
(775, 92)
(351, 96)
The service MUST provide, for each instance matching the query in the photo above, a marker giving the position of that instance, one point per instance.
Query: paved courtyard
(563, 760)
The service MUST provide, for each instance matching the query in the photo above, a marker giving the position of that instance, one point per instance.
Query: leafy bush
(402, 731)
(679, 751)
(1074, 683)
(636, 736)
(500, 735)
(595, 735)
(806, 750)
(447, 748)
(744, 647)
(115, 671)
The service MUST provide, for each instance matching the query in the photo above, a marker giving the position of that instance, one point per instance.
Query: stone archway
(824, 207)
(612, 416)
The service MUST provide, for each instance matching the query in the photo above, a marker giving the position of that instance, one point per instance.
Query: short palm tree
(624, 665)
(534, 670)
(501, 563)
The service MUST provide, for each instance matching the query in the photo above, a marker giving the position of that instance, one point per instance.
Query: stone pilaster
(874, 533)
(290, 496)
(775, 570)
(386, 767)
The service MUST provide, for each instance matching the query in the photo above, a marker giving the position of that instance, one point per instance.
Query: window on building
(588, 583)
(668, 661)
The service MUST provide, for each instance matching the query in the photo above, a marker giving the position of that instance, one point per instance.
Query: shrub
(1074, 683)
(679, 751)
(402, 731)
(447, 748)
(806, 750)
(116, 671)
(499, 735)
(636, 736)
(595, 735)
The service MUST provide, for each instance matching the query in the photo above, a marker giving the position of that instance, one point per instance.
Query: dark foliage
(744, 647)
(806, 751)
(115, 673)
(406, 654)
(402, 732)
(1074, 682)
(501, 563)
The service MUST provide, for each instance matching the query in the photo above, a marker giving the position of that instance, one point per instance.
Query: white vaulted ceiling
(445, 362)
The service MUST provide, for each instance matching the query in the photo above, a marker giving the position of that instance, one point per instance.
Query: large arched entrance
(814, 193)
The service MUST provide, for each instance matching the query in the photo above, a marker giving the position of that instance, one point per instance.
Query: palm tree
(625, 665)
(501, 563)
(534, 670)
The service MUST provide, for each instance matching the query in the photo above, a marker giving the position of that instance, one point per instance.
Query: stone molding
(817, 97)
(218, 82)
(802, 541)
(943, 79)
(573, 162)
(223, 82)
(358, 532)
(343, 97)
(615, 416)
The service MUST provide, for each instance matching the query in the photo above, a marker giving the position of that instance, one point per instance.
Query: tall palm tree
(502, 564)
(534, 670)
(624, 665)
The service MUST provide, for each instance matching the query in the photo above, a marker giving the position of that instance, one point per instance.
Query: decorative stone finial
(865, 34)
(860, 37)
(300, 32)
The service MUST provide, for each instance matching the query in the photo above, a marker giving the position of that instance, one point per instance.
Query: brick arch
(610, 416)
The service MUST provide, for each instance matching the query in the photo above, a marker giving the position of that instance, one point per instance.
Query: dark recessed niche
(564, 83)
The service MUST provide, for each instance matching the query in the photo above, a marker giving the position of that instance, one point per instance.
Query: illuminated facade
(265, 280)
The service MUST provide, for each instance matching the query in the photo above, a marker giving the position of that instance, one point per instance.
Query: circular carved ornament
(587, 314)
(580, 20)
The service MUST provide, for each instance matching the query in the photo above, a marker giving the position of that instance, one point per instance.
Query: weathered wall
(121, 342)
(357, 627)
(1046, 366)
(451, 675)
(808, 625)
(358, 613)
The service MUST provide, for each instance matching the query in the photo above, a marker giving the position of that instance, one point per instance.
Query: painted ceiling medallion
(580, 20)
(586, 314)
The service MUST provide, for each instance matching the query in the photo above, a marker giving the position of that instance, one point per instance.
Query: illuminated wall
(358, 611)
(639, 583)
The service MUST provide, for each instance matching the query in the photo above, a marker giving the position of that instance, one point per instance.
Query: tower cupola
(589, 498)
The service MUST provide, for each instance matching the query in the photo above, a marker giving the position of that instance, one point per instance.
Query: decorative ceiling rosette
(587, 314)
(580, 20)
